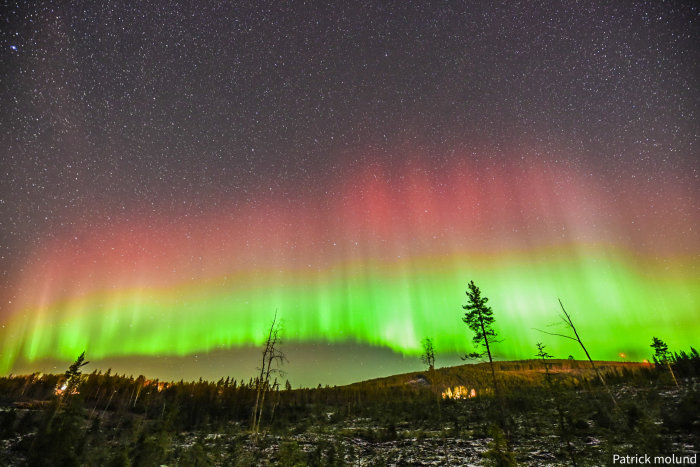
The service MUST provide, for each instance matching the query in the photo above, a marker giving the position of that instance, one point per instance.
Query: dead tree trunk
(577, 338)
(673, 375)
(270, 356)
(276, 388)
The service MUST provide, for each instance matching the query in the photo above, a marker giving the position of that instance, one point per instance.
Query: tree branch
(556, 334)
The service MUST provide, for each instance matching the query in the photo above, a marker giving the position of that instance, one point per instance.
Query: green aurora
(617, 301)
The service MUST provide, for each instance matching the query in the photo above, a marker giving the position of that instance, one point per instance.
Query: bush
(290, 455)
(149, 450)
(685, 415)
(498, 454)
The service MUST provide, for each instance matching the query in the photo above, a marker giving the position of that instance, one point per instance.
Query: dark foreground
(402, 420)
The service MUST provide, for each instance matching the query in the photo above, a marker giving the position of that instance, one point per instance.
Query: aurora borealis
(173, 177)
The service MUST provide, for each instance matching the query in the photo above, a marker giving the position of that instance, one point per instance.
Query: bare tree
(576, 338)
(276, 401)
(544, 355)
(428, 356)
(272, 356)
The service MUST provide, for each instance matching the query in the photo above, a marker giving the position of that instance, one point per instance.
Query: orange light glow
(459, 392)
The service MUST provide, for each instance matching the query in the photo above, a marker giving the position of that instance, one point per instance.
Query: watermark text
(641, 459)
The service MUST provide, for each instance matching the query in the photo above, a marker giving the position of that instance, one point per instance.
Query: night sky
(173, 174)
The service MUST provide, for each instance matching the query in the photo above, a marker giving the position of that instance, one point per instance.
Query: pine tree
(662, 355)
(660, 350)
(479, 318)
(72, 376)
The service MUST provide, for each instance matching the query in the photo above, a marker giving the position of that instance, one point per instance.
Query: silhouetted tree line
(194, 404)
(121, 420)
(118, 420)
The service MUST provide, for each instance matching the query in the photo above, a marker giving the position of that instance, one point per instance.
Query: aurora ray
(169, 177)
(362, 265)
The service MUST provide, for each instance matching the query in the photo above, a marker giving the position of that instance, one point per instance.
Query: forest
(541, 411)
(554, 415)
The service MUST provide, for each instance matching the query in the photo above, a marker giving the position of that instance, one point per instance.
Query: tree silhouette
(72, 376)
(662, 355)
(60, 437)
(479, 318)
(544, 356)
(271, 356)
(428, 356)
(566, 318)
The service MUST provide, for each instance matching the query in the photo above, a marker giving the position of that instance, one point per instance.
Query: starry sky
(172, 174)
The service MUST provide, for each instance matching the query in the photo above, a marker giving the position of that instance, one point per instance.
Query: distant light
(13, 47)
(622, 355)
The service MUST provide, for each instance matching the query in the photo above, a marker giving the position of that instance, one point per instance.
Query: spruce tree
(73, 375)
(479, 318)
(662, 355)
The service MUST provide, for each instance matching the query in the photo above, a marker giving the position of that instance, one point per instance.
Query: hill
(445, 416)
(516, 373)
